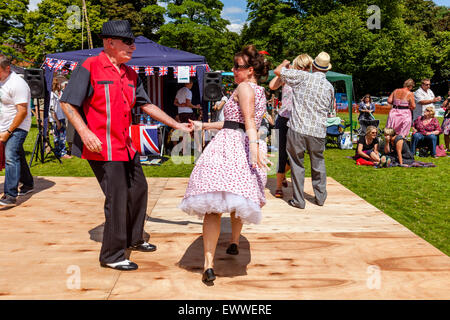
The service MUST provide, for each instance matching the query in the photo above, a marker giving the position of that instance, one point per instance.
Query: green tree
(145, 16)
(54, 28)
(379, 59)
(197, 27)
(270, 27)
(12, 16)
(433, 22)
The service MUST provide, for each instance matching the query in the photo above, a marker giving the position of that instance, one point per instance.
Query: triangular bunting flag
(49, 63)
(60, 64)
(175, 72)
(149, 71)
(73, 65)
(163, 71)
(135, 68)
(192, 71)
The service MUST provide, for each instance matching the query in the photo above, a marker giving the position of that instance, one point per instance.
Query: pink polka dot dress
(223, 180)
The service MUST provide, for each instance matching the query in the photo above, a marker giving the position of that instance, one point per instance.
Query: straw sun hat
(322, 61)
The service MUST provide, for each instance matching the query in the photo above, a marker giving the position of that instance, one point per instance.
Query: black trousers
(125, 188)
(281, 125)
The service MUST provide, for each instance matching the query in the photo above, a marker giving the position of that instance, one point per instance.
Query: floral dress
(223, 180)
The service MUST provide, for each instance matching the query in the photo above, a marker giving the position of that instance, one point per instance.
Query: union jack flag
(192, 71)
(145, 139)
(60, 64)
(73, 65)
(163, 71)
(135, 68)
(207, 68)
(49, 63)
(175, 72)
(149, 71)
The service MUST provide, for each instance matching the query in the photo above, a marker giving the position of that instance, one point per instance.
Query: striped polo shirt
(105, 98)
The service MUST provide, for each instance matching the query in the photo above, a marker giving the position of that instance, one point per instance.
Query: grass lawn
(415, 197)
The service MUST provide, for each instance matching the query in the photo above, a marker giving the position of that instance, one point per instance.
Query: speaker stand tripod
(41, 141)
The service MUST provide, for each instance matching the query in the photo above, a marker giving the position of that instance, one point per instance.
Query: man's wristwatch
(8, 131)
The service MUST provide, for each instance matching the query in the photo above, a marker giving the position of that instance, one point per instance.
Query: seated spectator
(366, 108)
(367, 147)
(427, 129)
(446, 123)
(396, 150)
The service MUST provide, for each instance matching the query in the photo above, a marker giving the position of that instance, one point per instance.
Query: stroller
(364, 123)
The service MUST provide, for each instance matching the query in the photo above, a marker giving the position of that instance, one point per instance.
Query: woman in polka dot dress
(230, 175)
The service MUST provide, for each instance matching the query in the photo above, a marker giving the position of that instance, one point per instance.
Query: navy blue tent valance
(149, 56)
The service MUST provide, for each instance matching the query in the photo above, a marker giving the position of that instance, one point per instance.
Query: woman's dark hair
(367, 96)
(254, 59)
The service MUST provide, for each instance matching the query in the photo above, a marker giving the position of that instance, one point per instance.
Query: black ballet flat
(233, 249)
(208, 275)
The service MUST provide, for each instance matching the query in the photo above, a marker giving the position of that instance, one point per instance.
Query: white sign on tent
(183, 74)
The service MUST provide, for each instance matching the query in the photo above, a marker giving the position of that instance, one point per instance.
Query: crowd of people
(231, 174)
(411, 125)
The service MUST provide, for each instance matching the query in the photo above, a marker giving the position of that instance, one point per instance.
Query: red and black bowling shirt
(105, 98)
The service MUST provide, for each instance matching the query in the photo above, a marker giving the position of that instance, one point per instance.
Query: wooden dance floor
(347, 249)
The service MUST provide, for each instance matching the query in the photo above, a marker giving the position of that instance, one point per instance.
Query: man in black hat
(98, 101)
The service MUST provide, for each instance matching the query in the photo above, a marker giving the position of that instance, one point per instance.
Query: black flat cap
(117, 28)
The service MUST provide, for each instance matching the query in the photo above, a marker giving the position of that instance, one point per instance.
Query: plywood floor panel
(332, 252)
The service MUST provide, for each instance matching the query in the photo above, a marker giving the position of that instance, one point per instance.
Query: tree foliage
(12, 16)
(379, 59)
(145, 16)
(55, 28)
(413, 42)
(197, 27)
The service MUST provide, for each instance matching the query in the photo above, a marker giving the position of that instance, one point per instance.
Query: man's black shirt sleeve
(79, 87)
(141, 96)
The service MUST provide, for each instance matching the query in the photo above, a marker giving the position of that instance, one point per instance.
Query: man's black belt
(400, 107)
(233, 125)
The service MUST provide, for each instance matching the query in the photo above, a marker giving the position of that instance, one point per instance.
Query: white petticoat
(222, 202)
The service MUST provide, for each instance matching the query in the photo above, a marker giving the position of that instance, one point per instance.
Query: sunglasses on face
(127, 41)
(240, 66)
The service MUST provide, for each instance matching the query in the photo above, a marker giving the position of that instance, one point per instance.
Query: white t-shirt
(55, 106)
(420, 95)
(184, 94)
(220, 115)
(13, 91)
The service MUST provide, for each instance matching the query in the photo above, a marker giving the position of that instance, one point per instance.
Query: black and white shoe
(144, 247)
(7, 201)
(25, 190)
(125, 265)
